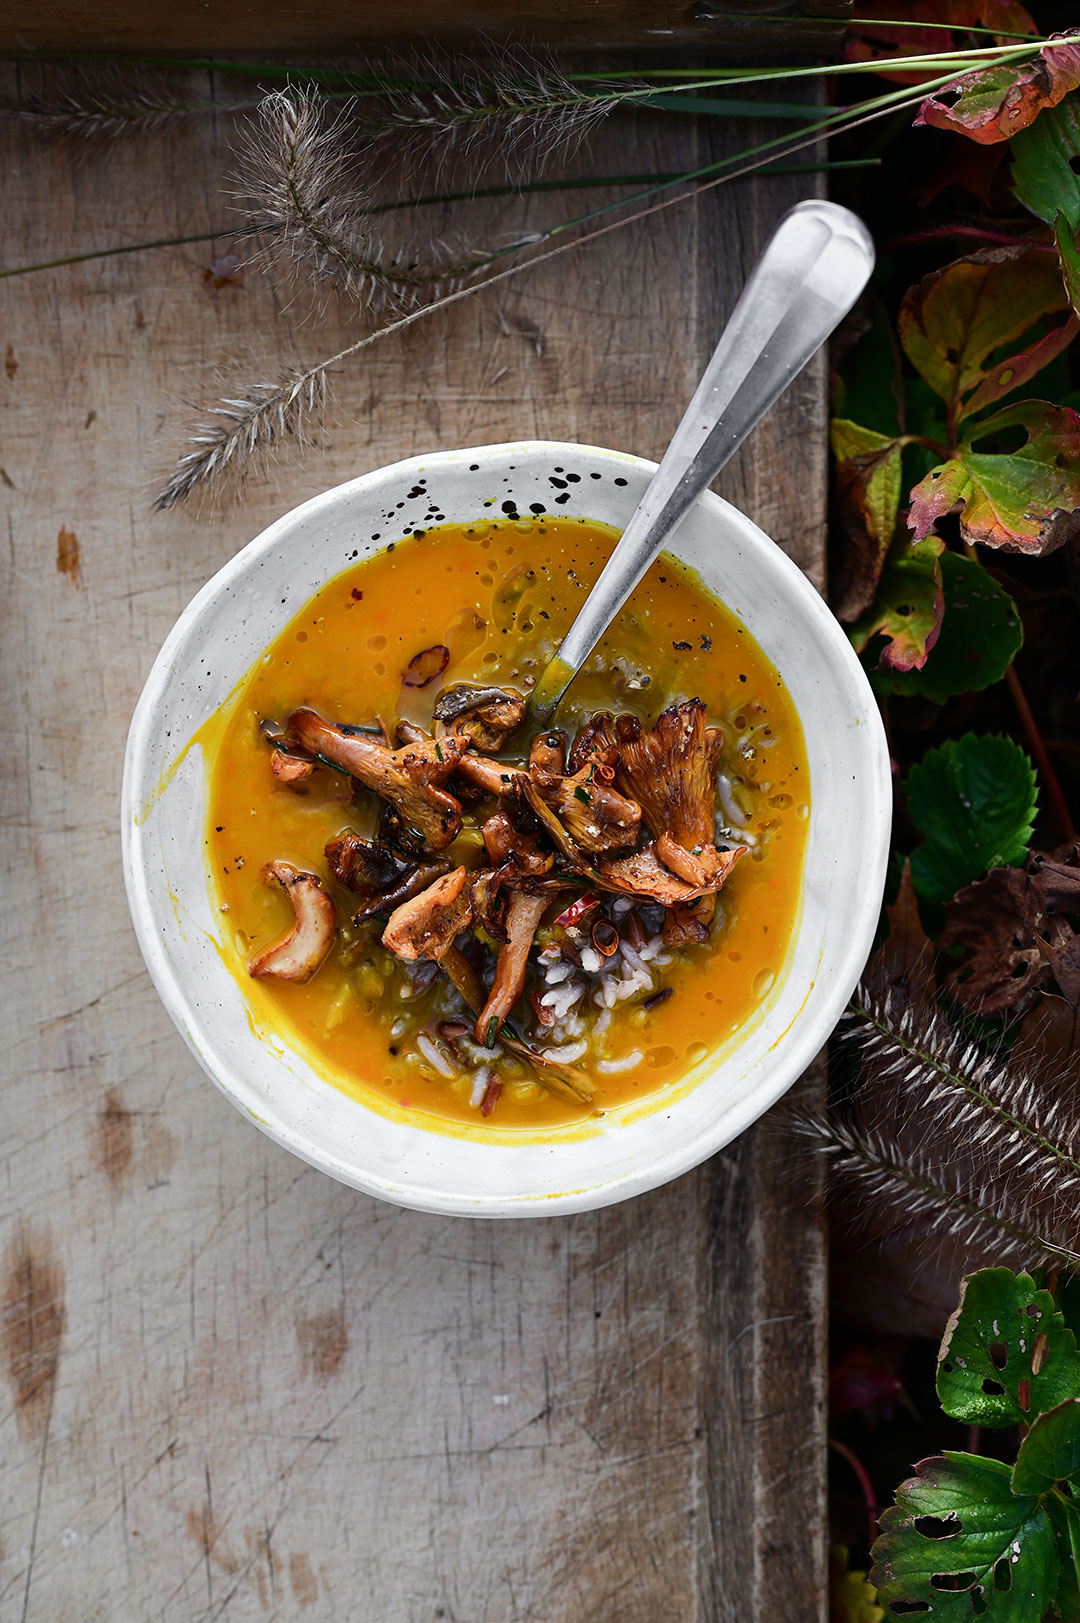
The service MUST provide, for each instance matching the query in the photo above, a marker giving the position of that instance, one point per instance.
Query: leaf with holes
(979, 639)
(1051, 1450)
(1026, 499)
(868, 498)
(1006, 1355)
(959, 1543)
(908, 607)
(994, 104)
(956, 320)
(974, 801)
(1044, 178)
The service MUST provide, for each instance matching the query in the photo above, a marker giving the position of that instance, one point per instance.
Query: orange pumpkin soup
(396, 851)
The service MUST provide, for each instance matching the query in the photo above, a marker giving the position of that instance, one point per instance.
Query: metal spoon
(816, 264)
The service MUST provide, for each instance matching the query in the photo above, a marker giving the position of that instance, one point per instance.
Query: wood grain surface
(235, 1389)
(276, 27)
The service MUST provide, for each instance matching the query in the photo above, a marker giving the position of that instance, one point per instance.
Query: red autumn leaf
(863, 1380)
(886, 35)
(908, 608)
(868, 493)
(1027, 500)
(992, 104)
(955, 319)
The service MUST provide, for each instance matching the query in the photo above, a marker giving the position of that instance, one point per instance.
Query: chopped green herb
(581, 794)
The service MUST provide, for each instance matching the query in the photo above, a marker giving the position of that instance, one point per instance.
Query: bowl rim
(801, 1044)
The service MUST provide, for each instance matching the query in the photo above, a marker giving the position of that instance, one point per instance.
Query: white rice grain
(565, 1056)
(612, 1067)
(591, 961)
(434, 1056)
(732, 810)
(479, 1087)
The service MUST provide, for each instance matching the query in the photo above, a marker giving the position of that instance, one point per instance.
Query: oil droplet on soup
(500, 599)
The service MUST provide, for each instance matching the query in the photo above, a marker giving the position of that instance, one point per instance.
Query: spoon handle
(813, 269)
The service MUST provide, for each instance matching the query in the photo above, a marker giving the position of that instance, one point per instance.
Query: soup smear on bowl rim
(248, 1054)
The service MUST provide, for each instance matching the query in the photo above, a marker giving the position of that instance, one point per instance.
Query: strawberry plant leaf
(980, 637)
(1027, 500)
(1066, 1519)
(908, 608)
(1043, 178)
(954, 321)
(1051, 1450)
(994, 104)
(868, 494)
(1006, 1355)
(973, 800)
(959, 1543)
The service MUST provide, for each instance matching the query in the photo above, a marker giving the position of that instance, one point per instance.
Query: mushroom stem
(522, 918)
(299, 952)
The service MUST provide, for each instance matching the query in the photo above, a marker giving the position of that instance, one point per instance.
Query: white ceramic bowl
(218, 638)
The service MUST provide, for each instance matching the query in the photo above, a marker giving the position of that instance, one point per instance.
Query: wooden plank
(273, 27)
(237, 1390)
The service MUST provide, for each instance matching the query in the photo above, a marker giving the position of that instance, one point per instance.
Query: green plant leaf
(1065, 1516)
(1043, 178)
(868, 496)
(959, 1544)
(993, 104)
(953, 323)
(974, 801)
(908, 607)
(1051, 1450)
(980, 637)
(1026, 500)
(1006, 1354)
(1069, 256)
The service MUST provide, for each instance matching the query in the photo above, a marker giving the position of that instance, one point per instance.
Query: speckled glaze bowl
(219, 637)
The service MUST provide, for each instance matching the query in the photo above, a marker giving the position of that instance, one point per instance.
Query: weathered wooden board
(235, 1389)
(340, 26)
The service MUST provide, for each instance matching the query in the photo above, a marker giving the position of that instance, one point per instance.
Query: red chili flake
(577, 910)
(491, 1097)
(357, 594)
(545, 1015)
(426, 666)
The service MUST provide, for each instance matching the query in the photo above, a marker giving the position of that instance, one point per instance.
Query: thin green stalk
(689, 78)
(869, 109)
(105, 253)
(584, 183)
(726, 108)
(908, 22)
